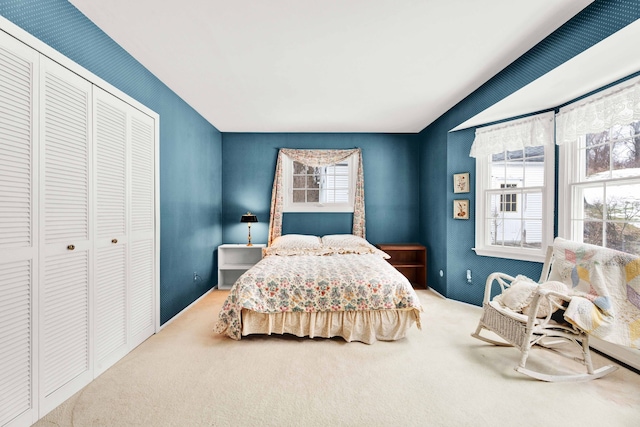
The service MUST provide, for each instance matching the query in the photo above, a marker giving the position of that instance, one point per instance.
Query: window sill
(533, 255)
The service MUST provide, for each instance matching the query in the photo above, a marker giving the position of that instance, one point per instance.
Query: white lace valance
(619, 105)
(513, 135)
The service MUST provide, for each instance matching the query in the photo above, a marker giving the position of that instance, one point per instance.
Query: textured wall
(190, 147)
(390, 174)
(450, 241)
(194, 191)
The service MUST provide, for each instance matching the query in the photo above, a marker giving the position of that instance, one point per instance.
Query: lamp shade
(249, 217)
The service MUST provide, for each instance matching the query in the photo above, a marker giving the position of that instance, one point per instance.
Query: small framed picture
(461, 209)
(461, 182)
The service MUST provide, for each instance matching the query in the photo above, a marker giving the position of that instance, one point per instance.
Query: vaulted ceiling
(326, 66)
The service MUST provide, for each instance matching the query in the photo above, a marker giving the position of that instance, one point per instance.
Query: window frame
(483, 194)
(572, 163)
(287, 184)
(570, 183)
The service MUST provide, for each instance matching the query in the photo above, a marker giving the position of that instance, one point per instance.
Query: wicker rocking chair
(526, 331)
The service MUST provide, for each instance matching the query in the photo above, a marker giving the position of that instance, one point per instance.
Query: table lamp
(249, 218)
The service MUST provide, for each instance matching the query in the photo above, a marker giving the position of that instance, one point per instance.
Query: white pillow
(519, 294)
(544, 306)
(350, 244)
(295, 244)
(296, 241)
(345, 241)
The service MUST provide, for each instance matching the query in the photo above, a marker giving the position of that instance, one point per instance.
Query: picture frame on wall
(461, 209)
(461, 182)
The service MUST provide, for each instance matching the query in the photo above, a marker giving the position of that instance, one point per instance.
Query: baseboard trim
(437, 293)
(628, 356)
(185, 309)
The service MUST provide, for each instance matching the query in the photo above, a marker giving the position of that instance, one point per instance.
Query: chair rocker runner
(549, 331)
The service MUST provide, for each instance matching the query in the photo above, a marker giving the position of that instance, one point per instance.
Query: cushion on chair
(519, 294)
(545, 307)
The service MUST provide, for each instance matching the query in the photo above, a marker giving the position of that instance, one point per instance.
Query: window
(319, 189)
(514, 188)
(508, 202)
(602, 188)
(328, 184)
(599, 138)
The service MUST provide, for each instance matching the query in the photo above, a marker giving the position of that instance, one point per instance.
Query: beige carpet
(189, 376)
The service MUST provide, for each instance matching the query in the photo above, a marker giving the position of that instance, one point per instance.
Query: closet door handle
(71, 247)
(114, 240)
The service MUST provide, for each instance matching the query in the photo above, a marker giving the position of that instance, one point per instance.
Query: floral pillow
(295, 244)
(350, 244)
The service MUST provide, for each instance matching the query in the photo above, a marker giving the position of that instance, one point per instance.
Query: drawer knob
(71, 247)
(114, 240)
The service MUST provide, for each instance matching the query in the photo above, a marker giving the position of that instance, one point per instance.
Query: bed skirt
(365, 326)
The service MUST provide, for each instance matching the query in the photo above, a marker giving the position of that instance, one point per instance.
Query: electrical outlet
(195, 276)
(469, 276)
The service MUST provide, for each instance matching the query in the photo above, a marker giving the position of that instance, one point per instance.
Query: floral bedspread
(307, 283)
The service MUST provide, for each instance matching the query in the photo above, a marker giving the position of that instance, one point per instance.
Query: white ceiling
(326, 66)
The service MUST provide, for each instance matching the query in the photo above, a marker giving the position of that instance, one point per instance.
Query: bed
(334, 286)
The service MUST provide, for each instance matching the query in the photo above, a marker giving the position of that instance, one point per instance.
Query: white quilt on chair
(605, 289)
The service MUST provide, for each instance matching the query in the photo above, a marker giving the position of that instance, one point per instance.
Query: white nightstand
(235, 259)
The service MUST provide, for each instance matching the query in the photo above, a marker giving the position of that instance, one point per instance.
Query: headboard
(318, 224)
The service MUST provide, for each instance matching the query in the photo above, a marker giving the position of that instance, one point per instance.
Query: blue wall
(438, 228)
(207, 180)
(391, 172)
(190, 147)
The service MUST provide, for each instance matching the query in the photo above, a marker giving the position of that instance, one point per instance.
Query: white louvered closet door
(124, 283)
(18, 230)
(142, 236)
(65, 257)
(111, 228)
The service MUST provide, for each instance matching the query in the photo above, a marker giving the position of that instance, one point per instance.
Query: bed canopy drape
(315, 158)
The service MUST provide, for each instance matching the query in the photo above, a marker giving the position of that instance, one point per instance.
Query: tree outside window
(609, 188)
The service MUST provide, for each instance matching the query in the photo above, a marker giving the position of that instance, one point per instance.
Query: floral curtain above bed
(315, 158)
